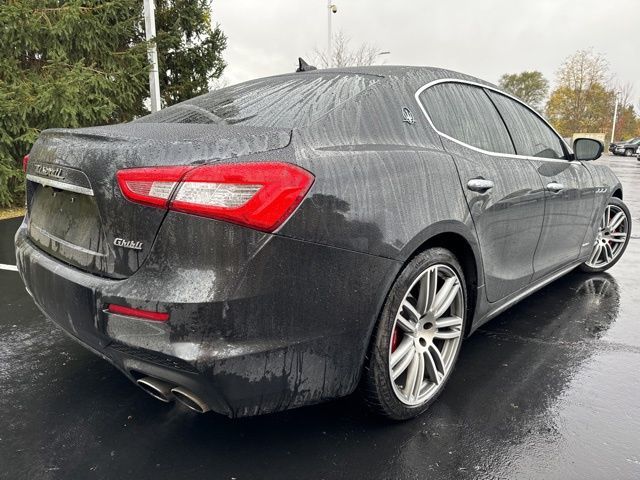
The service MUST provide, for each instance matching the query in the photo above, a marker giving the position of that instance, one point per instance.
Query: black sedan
(627, 148)
(284, 241)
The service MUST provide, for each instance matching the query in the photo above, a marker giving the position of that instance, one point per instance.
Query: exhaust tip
(156, 388)
(190, 400)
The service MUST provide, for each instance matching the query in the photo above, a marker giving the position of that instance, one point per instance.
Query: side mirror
(586, 149)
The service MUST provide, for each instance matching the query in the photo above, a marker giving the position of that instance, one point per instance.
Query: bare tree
(583, 70)
(218, 83)
(583, 99)
(625, 93)
(342, 55)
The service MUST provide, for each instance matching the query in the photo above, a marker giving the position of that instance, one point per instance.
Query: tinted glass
(465, 113)
(285, 102)
(531, 136)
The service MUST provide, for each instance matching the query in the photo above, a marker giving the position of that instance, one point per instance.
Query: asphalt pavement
(550, 389)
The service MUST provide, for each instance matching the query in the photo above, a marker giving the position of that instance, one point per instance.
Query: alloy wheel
(611, 237)
(426, 333)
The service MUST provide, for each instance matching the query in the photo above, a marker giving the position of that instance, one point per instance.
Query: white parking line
(11, 268)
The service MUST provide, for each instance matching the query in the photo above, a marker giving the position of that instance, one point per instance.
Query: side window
(465, 112)
(531, 136)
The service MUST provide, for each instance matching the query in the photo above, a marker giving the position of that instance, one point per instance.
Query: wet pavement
(549, 389)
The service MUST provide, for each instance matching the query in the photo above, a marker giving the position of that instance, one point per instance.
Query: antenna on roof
(304, 66)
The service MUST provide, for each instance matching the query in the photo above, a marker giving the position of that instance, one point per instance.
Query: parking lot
(549, 389)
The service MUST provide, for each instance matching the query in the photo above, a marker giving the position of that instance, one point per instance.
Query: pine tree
(76, 63)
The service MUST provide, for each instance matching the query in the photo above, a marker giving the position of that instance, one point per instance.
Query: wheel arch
(461, 241)
(617, 192)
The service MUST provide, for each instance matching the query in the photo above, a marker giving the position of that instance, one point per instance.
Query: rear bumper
(258, 323)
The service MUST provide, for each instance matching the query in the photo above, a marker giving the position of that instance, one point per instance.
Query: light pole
(152, 53)
(615, 118)
(331, 8)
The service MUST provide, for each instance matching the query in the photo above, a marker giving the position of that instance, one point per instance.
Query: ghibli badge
(133, 245)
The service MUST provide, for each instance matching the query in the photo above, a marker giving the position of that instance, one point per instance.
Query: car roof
(419, 73)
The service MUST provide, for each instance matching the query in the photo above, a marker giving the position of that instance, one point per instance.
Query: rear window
(283, 102)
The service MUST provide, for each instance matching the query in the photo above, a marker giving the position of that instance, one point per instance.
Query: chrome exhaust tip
(156, 388)
(190, 400)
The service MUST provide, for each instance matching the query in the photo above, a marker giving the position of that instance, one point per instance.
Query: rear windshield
(282, 102)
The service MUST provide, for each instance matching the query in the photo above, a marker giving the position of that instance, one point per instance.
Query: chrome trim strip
(68, 244)
(48, 182)
(529, 290)
(487, 152)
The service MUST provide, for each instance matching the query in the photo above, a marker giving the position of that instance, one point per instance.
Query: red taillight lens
(257, 195)
(25, 163)
(136, 312)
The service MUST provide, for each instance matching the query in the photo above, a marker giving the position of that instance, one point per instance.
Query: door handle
(479, 185)
(555, 187)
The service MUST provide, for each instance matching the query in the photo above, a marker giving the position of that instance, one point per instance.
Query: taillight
(25, 163)
(258, 195)
(150, 186)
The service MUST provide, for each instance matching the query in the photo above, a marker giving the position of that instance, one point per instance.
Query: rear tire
(612, 239)
(417, 339)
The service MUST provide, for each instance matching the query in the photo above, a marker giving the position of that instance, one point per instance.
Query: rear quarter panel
(383, 186)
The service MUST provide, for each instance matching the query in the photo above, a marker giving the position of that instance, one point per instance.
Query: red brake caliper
(394, 339)
(610, 236)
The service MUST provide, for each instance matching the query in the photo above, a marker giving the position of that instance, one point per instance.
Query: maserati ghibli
(293, 239)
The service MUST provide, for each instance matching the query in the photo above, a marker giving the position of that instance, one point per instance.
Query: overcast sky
(485, 38)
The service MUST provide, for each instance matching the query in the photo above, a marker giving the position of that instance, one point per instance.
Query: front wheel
(628, 152)
(612, 238)
(418, 336)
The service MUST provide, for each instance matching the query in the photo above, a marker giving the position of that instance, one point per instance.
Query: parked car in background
(281, 242)
(627, 148)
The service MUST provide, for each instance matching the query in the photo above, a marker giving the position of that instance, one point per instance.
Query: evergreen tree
(76, 63)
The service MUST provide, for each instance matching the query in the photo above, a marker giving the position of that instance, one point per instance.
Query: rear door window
(532, 137)
(465, 113)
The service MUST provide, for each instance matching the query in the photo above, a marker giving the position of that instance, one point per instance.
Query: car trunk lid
(77, 212)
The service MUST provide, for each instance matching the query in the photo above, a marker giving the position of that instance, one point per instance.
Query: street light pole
(152, 53)
(615, 118)
(329, 9)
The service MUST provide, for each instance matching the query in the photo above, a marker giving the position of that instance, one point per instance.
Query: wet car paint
(89, 222)
(381, 190)
(548, 389)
